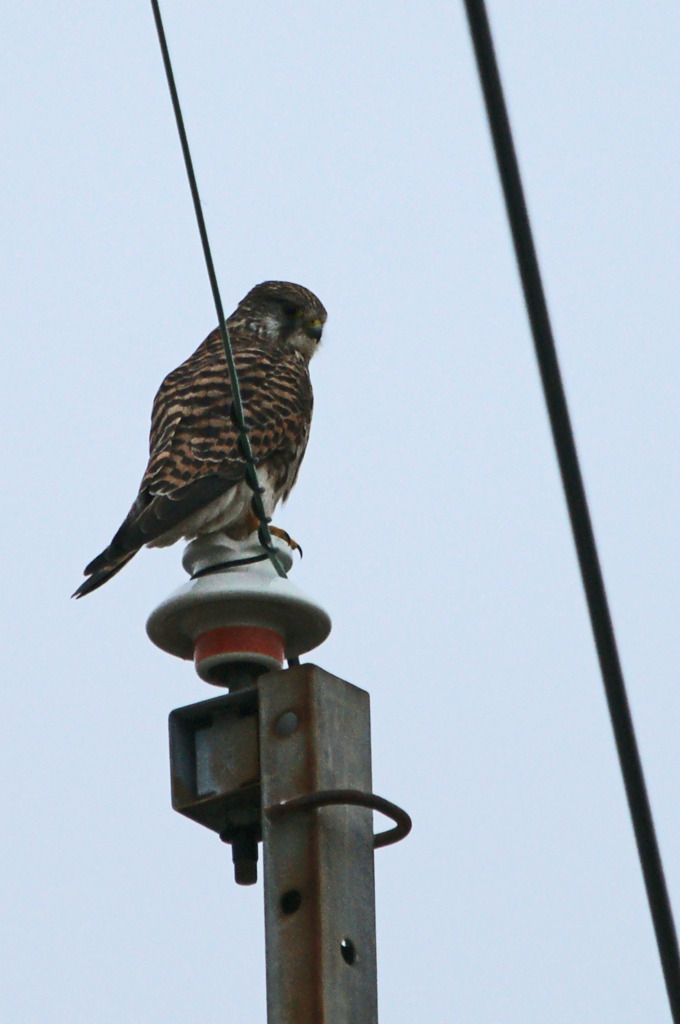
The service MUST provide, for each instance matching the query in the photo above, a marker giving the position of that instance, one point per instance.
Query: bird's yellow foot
(276, 531)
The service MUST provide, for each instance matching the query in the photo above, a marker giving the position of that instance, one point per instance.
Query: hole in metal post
(348, 950)
(291, 901)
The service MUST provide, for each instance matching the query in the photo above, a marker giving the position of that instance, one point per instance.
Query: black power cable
(237, 414)
(596, 597)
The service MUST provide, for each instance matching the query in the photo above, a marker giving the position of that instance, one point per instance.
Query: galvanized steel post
(318, 863)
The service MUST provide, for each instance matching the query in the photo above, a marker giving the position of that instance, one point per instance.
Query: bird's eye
(289, 308)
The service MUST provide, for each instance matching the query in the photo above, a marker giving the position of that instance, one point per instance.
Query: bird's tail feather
(101, 569)
(148, 519)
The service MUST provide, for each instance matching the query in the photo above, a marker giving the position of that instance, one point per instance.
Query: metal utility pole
(284, 758)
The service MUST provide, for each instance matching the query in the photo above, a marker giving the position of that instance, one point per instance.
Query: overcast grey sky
(344, 146)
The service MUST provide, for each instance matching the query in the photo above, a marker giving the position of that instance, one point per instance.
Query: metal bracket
(215, 772)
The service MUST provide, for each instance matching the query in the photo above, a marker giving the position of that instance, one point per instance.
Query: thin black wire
(245, 446)
(603, 630)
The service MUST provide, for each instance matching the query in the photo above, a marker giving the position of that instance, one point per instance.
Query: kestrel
(194, 483)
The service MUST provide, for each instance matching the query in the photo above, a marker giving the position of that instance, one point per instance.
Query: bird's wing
(194, 452)
(192, 433)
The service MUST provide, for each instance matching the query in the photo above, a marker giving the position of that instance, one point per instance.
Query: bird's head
(279, 312)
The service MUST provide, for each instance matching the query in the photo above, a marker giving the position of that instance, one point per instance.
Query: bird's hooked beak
(314, 329)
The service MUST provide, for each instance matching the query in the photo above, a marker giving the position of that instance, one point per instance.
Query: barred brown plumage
(194, 483)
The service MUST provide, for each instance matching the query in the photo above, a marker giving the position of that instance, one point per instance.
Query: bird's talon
(283, 535)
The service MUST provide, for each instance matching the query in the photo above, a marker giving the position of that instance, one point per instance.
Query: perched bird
(194, 483)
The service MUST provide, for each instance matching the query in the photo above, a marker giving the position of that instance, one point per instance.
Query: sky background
(344, 146)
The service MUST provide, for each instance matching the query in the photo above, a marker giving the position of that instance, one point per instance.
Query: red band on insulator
(239, 640)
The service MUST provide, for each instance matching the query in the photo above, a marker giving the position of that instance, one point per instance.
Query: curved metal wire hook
(357, 798)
